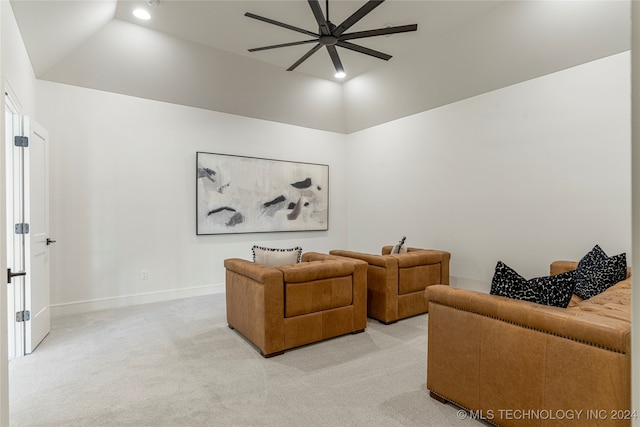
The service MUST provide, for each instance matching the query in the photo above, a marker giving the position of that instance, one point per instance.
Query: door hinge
(22, 228)
(23, 316)
(21, 141)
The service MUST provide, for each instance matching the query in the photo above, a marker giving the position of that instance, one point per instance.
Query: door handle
(11, 274)
(49, 241)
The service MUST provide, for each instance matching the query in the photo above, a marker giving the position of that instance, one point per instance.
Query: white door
(28, 204)
(36, 173)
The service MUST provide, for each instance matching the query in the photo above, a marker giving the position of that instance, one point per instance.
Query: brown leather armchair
(396, 282)
(278, 308)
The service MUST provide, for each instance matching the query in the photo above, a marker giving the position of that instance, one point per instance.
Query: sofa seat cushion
(317, 295)
(613, 303)
(417, 278)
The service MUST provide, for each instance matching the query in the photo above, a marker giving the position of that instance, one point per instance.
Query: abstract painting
(237, 194)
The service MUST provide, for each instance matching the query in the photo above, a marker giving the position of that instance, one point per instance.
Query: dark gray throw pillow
(597, 272)
(548, 290)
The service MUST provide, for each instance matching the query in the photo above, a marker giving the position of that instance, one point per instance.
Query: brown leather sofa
(396, 282)
(517, 363)
(278, 308)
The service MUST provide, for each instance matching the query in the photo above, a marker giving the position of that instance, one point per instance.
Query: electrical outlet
(144, 275)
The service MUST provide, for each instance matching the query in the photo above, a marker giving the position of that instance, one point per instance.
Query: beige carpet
(178, 364)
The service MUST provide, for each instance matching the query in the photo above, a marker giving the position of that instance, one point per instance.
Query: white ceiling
(99, 44)
(222, 25)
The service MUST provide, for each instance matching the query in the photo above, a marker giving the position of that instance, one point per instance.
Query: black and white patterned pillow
(274, 257)
(548, 290)
(597, 272)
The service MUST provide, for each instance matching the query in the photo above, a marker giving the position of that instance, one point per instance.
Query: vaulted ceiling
(195, 53)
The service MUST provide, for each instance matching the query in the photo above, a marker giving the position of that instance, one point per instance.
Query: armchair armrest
(423, 257)
(255, 303)
(258, 272)
(379, 260)
(386, 250)
(316, 270)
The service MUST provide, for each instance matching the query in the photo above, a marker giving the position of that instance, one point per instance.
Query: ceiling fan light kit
(330, 36)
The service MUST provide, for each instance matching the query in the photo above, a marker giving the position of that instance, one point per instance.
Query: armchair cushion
(273, 257)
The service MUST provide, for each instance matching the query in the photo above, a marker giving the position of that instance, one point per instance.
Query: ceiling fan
(330, 36)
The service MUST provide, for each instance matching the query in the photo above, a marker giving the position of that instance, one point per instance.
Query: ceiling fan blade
(365, 50)
(357, 15)
(320, 19)
(305, 57)
(333, 53)
(257, 49)
(379, 32)
(280, 24)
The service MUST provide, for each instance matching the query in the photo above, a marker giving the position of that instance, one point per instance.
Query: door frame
(15, 290)
(4, 351)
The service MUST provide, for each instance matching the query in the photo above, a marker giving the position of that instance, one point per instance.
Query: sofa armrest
(576, 325)
(558, 267)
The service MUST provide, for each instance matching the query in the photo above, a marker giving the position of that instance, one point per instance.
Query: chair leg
(437, 397)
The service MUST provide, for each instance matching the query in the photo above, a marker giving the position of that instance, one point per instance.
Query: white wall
(18, 76)
(513, 42)
(526, 174)
(124, 192)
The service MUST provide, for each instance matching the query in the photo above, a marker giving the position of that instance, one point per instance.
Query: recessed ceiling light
(340, 75)
(142, 14)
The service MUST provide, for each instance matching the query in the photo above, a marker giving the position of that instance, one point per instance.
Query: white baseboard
(77, 307)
